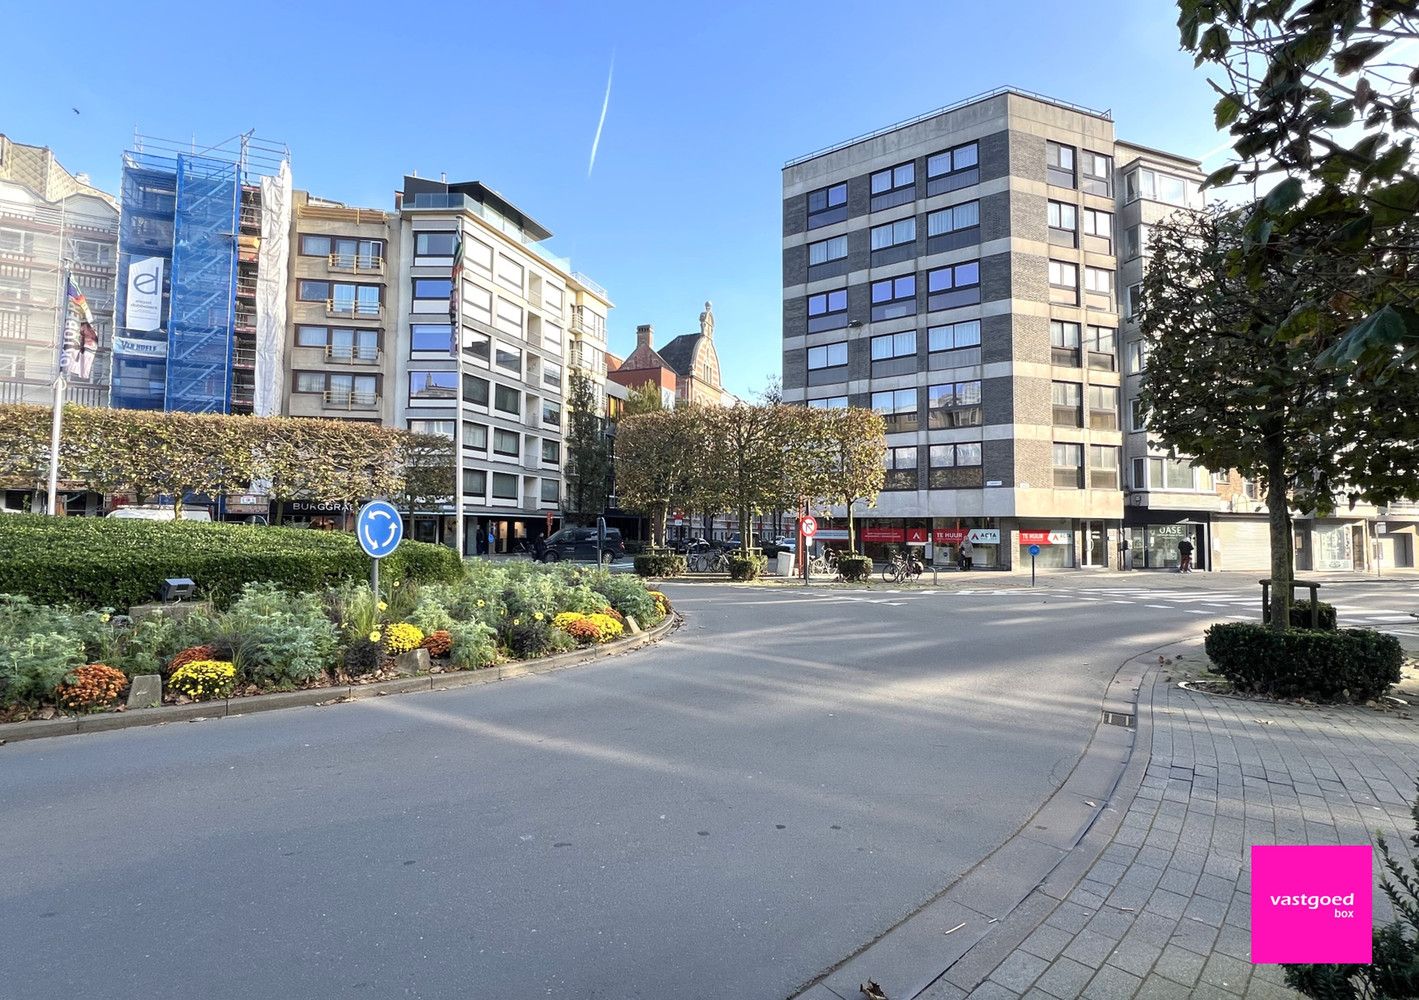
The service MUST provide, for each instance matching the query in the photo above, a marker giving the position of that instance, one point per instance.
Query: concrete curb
(964, 932)
(14, 732)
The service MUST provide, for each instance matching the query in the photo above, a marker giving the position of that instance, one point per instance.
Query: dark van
(580, 544)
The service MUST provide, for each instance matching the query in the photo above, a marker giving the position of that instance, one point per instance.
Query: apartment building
(957, 272)
(51, 219)
(517, 302)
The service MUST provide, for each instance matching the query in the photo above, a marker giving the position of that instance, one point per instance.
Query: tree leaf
(1283, 196)
(1226, 110)
(1354, 57)
(1221, 176)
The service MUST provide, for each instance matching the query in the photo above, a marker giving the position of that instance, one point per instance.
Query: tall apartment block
(50, 219)
(202, 277)
(517, 302)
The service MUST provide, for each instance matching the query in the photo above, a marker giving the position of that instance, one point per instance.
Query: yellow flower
(374, 636)
(517, 621)
(396, 584)
(382, 606)
(538, 616)
(480, 604)
(104, 618)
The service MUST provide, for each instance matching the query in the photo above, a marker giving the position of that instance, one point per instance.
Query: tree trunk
(851, 533)
(744, 531)
(1282, 558)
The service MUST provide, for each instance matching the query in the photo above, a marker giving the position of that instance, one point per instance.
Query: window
(315, 246)
(894, 345)
(828, 403)
(1103, 407)
(1064, 282)
(433, 288)
(1166, 474)
(953, 169)
(1135, 300)
(1102, 345)
(475, 390)
(1135, 240)
(950, 456)
(1103, 467)
(1059, 164)
(438, 245)
(1064, 343)
(510, 273)
(827, 310)
(900, 465)
(1065, 399)
(954, 336)
(1063, 217)
(893, 234)
(443, 428)
(551, 413)
(477, 304)
(1100, 224)
(477, 344)
(310, 381)
(552, 374)
(430, 386)
(508, 359)
(551, 453)
(475, 482)
(1137, 415)
(506, 399)
(552, 337)
(898, 408)
(344, 343)
(1099, 281)
(551, 491)
(949, 287)
(894, 186)
(313, 291)
(1138, 351)
(504, 486)
(1068, 466)
(478, 256)
(827, 356)
(431, 337)
(1098, 173)
(475, 436)
(894, 297)
(552, 297)
(506, 442)
(1155, 186)
(953, 404)
(953, 219)
(509, 317)
(827, 250)
(827, 205)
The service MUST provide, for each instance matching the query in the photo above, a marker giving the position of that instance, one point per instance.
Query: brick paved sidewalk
(1163, 911)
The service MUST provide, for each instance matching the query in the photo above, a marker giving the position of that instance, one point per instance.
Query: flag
(81, 340)
(78, 305)
(453, 292)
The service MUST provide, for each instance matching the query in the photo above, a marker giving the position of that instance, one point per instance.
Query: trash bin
(784, 565)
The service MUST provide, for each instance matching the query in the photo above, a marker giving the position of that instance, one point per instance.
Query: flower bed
(56, 659)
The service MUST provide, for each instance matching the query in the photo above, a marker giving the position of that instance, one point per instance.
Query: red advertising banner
(1045, 538)
(949, 536)
(883, 535)
(916, 536)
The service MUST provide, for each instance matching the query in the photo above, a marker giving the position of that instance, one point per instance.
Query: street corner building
(974, 275)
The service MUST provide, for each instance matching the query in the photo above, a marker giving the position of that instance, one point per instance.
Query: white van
(147, 512)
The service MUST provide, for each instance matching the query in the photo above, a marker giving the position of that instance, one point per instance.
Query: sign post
(1034, 551)
(807, 528)
(380, 529)
(600, 540)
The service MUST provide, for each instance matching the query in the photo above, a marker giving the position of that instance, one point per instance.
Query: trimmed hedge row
(742, 567)
(1352, 664)
(117, 563)
(1325, 616)
(659, 562)
(854, 567)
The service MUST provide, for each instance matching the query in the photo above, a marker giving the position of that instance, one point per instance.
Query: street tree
(1224, 389)
(587, 459)
(856, 444)
(661, 463)
(643, 398)
(428, 473)
(749, 449)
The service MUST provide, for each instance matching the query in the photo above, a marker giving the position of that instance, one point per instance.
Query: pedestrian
(1184, 556)
(967, 553)
(539, 549)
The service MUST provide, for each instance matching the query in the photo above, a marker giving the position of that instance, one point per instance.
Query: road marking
(1161, 607)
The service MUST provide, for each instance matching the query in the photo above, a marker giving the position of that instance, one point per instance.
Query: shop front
(883, 538)
(1154, 536)
(1055, 540)
(982, 533)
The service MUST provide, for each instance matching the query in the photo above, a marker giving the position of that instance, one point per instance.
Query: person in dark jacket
(1184, 556)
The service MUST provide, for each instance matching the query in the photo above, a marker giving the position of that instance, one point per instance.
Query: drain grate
(1118, 719)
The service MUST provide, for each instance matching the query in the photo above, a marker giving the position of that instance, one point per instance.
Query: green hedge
(1301, 616)
(742, 567)
(659, 562)
(116, 563)
(854, 567)
(1348, 665)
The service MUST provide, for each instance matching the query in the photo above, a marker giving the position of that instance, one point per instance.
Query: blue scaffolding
(149, 193)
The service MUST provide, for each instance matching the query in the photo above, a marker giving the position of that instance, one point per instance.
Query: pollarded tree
(661, 463)
(1222, 387)
(587, 459)
(747, 449)
(856, 445)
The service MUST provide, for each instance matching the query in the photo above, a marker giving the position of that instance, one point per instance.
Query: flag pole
(56, 427)
(455, 311)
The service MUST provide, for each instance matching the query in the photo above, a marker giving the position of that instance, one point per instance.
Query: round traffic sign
(809, 526)
(1034, 550)
(379, 528)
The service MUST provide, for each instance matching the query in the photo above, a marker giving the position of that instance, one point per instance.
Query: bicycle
(824, 565)
(709, 561)
(902, 570)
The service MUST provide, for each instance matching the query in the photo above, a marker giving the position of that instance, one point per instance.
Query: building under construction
(202, 260)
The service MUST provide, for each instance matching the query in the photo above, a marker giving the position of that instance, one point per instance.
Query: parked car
(153, 512)
(786, 543)
(580, 543)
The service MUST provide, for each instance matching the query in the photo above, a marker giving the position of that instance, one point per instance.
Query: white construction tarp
(273, 261)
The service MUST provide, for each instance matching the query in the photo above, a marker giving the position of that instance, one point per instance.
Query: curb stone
(14, 732)
(964, 932)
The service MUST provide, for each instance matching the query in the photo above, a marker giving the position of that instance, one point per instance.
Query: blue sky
(708, 101)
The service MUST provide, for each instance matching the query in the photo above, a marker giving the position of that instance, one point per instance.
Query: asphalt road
(724, 815)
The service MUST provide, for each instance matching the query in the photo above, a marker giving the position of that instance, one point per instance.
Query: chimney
(644, 332)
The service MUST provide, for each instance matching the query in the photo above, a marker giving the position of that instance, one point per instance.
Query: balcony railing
(356, 263)
(342, 399)
(358, 310)
(352, 355)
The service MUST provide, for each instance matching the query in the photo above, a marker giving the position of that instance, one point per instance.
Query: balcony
(352, 355)
(354, 310)
(355, 263)
(588, 323)
(343, 399)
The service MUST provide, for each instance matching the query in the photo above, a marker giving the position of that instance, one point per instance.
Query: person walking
(967, 552)
(1184, 556)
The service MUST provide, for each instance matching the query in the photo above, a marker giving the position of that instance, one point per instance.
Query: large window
(1098, 173)
(953, 219)
(475, 436)
(955, 337)
(1064, 218)
(953, 404)
(827, 356)
(894, 297)
(1160, 473)
(1137, 415)
(1064, 282)
(431, 337)
(506, 443)
(551, 453)
(504, 486)
(950, 287)
(437, 245)
(1103, 407)
(1065, 399)
(894, 345)
(508, 359)
(827, 250)
(894, 234)
(1064, 343)
(478, 256)
(1103, 467)
(552, 374)
(509, 317)
(1155, 186)
(1135, 240)
(551, 413)
(900, 465)
(345, 343)
(950, 456)
(898, 409)
(1099, 281)
(952, 169)
(506, 399)
(894, 186)
(1068, 466)
(1059, 164)
(475, 482)
(432, 386)
(475, 390)
(1099, 224)
(827, 310)
(551, 491)
(827, 205)
(478, 344)
(1102, 345)
(510, 273)
(444, 428)
(1135, 301)
(1137, 351)
(828, 403)
(345, 391)
(433, 288)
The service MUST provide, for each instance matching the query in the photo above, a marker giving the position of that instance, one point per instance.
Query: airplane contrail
(605, 103)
